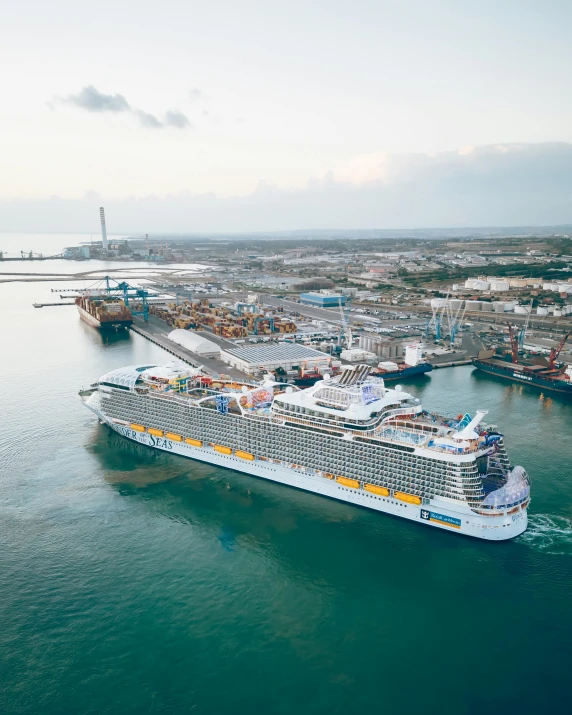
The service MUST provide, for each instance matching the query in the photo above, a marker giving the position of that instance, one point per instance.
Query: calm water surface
(138, 582)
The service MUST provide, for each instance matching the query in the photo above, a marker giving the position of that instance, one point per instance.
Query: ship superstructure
(349, 438)
(412, 365)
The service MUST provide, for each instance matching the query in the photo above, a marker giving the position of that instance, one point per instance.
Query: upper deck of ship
(352, 405)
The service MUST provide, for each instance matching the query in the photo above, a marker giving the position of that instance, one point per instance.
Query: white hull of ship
(437, 513)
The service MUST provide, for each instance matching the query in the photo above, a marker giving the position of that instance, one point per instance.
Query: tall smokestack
(103, 229)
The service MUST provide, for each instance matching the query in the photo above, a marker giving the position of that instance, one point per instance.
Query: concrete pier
(156, 332)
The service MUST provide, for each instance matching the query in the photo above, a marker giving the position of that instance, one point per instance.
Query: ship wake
(549, 534)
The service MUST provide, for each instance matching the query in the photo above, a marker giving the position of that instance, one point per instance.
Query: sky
(251, 115)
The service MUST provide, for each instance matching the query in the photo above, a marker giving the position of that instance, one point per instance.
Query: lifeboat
(328, 475)
(244, 455)
(174, 437)
(374, 489)
(194, 442)
(409, 498)
(137, 428)
(155, 432)
(223, 450)
(352, 483)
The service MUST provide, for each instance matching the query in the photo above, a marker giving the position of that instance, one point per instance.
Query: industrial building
(259, 358)
(323, 300)
(194, 342)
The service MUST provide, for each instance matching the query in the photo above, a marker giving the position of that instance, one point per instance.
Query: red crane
(513, 343)
(555, 352)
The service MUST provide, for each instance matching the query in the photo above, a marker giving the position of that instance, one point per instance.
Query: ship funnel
(469, 431)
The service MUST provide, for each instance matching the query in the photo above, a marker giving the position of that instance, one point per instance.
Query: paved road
(332, 315)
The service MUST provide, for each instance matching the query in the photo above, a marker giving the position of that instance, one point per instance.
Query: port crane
(262, 318)
(522, 333)
(345, 326)
(513, 343)
(555, 352)
(436, 320)
(455, 320)
(125, 291)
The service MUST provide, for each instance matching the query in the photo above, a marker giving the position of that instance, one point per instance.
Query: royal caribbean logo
(441, 519)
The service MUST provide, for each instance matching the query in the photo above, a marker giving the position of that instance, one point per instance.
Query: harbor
(119, 516)
(87, 484)
(154, 331)
(286, 385)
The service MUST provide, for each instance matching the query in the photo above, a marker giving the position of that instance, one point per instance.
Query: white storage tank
(509, 307)
(481, 285)
(499, 285)
(522, 309)
(486, 307)
(550, 286)
(473, 305)
(557, 313)
(541, 311)
(438, 302)
(470, 283)
(518, 282)
(456, 304)
(498, 306)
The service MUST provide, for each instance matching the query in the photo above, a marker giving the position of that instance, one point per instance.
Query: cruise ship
(349, 438)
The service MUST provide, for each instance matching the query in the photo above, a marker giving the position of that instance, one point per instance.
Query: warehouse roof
(275, 352)
(193, 342)
(333, 298)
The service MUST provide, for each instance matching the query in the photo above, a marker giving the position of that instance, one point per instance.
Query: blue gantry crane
(127, 292)
(262, 318)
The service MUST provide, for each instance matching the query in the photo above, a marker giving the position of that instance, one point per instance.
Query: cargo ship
(103, 312)
(398, 371)
(413, 365)
(349, 438)
(545, 374)
(306, 376)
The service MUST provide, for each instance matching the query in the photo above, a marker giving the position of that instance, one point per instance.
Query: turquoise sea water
(138, 582)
